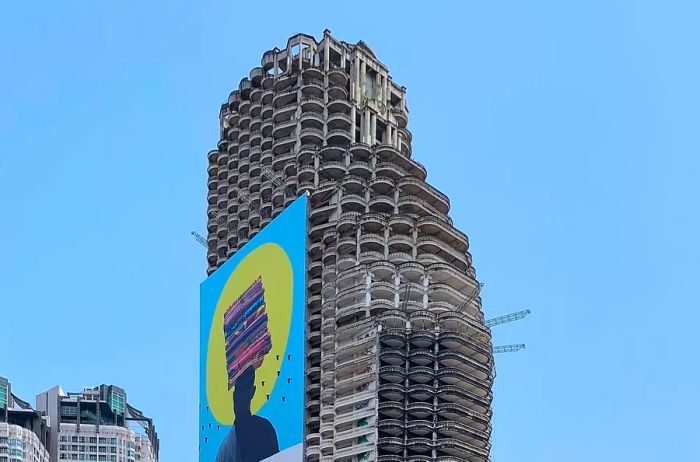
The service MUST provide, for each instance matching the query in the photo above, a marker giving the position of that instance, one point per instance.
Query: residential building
(24, 432)
(97, 424)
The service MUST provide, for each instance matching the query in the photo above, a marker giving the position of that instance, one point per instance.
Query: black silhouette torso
(252, 438)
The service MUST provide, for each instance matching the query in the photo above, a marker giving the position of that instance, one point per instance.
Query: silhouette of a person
(252, 438)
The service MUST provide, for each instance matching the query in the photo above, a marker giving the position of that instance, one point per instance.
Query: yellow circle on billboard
(270, 263)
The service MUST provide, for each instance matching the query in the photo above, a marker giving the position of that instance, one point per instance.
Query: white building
(97, 425)
(23, 431)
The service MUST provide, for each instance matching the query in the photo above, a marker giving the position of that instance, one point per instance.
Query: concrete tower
(399, 360)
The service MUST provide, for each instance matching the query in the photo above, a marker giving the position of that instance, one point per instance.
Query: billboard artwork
(252, 336)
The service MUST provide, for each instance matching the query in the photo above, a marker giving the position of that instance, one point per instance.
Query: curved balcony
(391, 427)
(458, 448)
(382, 270)
(370, 257)
(283, 129)
(392, 391)
(401, 224)
(327, 446)
(244, 107)
(338, 137)
(395, 336)
(389, 170)
(406, 149)
(310, 135)
(312, 103)
(313, 73)
(338, 76)
(337, 93)
(392, 356)
(382, 204)
(232, 148)
(343, 313)
(390, 444)
(339, 106)
(327, 342)
(283, 145)
(312, 87)
(420, 428)
(419, 458)
(353, 203)
(345, 244)
(456, 377)
(419, 410)
(400, 257)
(280, 114)
(345, 262)
(339, 120)
(393, 374)
(463, 362)
(421, 357)
(381, 185)
(370, 242)
(378, 307)
(360, 169)
(422, 339)
(285, 80)
(382, 290)
(420, 445)
(400, 116)
(284, 98)
(361, 151)
(311, 119)
(391, 458)
(327, 379)
(463, 433)
(460, 342)
(328, 325)
(456, 321)
(420, 374)
(420, 392)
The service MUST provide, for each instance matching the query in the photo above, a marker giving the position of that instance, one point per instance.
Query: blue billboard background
(277, 256)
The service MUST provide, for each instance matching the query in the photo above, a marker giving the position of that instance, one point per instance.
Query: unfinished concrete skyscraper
(400, 365)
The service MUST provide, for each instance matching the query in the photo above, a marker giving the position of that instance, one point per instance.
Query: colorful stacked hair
(247, 337)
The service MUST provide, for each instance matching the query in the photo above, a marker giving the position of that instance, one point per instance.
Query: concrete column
(387, 232)
(316, 165)
(276, 64)
(373, 129)
(397, 295)
(353, 115)
(366, 123)
(387, 134)
(396, 210)
(385, 93)
(356, 83)
(378, 84)
(363, 80)
(326, 54)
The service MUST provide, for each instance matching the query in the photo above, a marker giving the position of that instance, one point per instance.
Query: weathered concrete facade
(400, 363)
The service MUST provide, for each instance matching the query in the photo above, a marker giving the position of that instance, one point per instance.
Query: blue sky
(565, 133)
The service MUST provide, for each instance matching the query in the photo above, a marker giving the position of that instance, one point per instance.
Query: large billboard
(252, 336)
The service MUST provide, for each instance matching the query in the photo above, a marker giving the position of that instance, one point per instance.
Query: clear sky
(565, 133)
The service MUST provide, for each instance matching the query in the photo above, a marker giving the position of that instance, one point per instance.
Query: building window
(82, 439)
(93, 440)
(112, 441)
(74, 439)
(81, 457)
